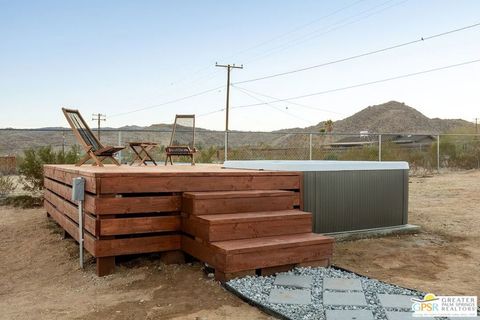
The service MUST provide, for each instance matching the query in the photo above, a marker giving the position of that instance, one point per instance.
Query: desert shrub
(462, 152)
(23, 201)
(447, 149)
(31, 165)
(363, 153)
(468, 160)
(207, 155)
(71, 156)
(7, 185)
(330, 156)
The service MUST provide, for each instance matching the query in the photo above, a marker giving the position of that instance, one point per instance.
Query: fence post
(120, 143)
(226, 146)
(310, 146)
(379, 147)
(63, 142)
(438, 153)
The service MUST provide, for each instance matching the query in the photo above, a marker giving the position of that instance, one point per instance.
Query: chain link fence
(424, 152)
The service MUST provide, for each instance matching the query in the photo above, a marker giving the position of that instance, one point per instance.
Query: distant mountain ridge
(390, 117)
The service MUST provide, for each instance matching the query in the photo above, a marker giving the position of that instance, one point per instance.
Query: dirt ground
(40, 277)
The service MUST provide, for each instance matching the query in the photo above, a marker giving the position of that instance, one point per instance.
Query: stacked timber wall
(131, 212)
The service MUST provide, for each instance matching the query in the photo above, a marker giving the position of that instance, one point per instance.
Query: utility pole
(476, 125)
(227, 104)
(98, 117)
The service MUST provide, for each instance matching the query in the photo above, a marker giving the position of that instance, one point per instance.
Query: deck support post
(105, 266)
(379, 147)
(66, 235)
(310, 146)
(172, 257)
(226, 146)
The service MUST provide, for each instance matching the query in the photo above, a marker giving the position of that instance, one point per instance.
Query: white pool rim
(315, 165)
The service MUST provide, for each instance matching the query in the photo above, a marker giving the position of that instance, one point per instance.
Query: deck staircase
(251, 232)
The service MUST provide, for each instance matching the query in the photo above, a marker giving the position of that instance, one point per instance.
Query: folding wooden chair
(177, 149)
(94, 149)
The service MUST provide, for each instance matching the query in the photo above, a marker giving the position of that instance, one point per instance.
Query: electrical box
(78, 189)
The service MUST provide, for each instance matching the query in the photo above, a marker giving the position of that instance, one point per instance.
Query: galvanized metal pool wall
(355, 200)
(347, 195)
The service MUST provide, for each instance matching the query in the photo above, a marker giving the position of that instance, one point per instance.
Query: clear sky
(118, 56)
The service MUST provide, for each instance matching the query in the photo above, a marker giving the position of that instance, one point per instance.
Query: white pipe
(80, 231)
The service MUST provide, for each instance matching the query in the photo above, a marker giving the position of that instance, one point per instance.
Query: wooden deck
(211, 213)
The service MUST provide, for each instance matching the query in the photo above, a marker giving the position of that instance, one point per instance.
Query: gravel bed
(257, 290)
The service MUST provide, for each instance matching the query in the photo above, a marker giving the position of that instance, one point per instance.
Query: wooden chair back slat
(93, 148)
(79, 126)
(175, 149)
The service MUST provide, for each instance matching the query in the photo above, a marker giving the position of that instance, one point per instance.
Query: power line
(209, 113)
(298, 28)
(168, 102)
(210, 75)
(271, 105)
(290, 102)
(213, 74)
(305, 68)
(210, 90)
(422, 39)
(338, 89)
(336, 26)
(365, 83)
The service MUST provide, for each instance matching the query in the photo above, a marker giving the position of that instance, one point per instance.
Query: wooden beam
(70, 211)
(66, 177)
(270, 258)
(125, 205)
(119, 226)
(65, 192)
(247, 225)
(117, 247)
(72, 228)
(203, 252)
(238, 205)
(182, 183)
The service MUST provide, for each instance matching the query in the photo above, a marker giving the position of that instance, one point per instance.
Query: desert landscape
(217, 160)
(443, 258)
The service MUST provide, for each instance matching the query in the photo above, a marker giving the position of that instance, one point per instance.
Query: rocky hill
(394, 117)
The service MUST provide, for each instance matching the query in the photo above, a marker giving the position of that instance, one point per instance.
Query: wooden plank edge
(122, 226)
(72, 229)
(71, 211)
(147, 244)
(204, 252)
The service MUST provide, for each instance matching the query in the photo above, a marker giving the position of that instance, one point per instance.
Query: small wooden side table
(141, 150)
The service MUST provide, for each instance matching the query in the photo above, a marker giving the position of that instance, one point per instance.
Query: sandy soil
(445, 257)
(40, 277)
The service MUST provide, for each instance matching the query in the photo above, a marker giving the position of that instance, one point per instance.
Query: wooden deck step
(220, 227)
(271, 243)
(233, 256)
(218, 202)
